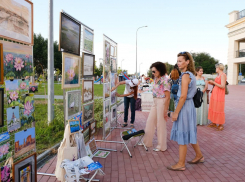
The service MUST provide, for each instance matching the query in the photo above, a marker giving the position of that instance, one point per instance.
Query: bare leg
(198, 152)
(182, 156)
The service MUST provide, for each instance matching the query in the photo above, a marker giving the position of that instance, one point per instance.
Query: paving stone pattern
(224, 152)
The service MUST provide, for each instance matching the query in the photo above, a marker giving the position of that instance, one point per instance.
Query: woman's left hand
(211, 82)
(166, 115)
(117, 94)
(175, 116)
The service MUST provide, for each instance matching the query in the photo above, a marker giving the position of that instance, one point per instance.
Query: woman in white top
(130, 96)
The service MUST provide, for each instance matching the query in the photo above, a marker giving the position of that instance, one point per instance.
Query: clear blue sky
(173, 26)
(20, 136)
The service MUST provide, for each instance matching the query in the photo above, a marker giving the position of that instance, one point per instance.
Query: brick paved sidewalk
(224, 152)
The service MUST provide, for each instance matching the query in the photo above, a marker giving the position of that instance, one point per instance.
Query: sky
(173, 27)
(20, 136)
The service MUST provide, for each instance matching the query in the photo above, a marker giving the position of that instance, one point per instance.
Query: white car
(243, 80)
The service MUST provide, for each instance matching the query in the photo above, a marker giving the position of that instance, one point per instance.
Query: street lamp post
(140, 64)
(136, 46)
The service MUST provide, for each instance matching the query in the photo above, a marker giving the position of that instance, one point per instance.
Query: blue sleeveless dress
(184, 130)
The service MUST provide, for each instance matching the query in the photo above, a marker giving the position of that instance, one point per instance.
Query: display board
(109, 81)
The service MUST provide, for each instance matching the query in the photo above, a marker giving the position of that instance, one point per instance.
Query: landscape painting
(18, 60)
(106, 106)
(73, 104)
(23, 86)
(12, 92)
(5, 173)
(88, 65)
(25, 173)
(13, 118)
(88, 40)
(88, 112)
(1, 107)
(113, 65)
(27, 112)
(1, 65)
(70, 32)
(4, 146)
(107, 90)
(88, 90)
(107, 53)
(113, 97)
(92, 128)
(25, 141)
(113, 113)
(74, 125)
(16, 20)
(70, 71)
(106, 74)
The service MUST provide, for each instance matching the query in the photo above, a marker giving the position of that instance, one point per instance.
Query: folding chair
(127, 137)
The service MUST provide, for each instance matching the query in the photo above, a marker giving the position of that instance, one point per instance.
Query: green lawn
(98, 89)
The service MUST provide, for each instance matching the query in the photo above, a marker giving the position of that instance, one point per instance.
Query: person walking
(158, 114)
(130, 96)
(202, 112)
(184, 129)
(216, 112)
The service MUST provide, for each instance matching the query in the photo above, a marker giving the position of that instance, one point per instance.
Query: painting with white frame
(88, 90)
(73, 104)
(106, 106)
(88, 40)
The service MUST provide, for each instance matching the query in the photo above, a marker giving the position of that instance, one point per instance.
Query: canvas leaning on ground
(70, 33)
(17, 20)
(70, 71)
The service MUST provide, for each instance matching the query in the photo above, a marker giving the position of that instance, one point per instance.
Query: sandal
(212, 125)
(220, 128)
(176, 169)
(124, 125)
(201, 160)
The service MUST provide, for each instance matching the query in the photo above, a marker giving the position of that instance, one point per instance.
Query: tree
(169, 67)
(149, 73)
(98, 71)
(206, 61)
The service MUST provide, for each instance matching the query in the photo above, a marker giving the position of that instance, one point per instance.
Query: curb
(47, 152)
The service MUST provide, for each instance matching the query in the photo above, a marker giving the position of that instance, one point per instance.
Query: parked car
(243, 80)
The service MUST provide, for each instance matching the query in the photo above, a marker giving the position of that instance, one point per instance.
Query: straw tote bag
(67, 150)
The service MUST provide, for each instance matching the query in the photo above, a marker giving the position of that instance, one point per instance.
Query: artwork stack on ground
(17, 140)
(110, 79)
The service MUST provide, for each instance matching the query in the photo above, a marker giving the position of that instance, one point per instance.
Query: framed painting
(70, 71)
(25, 169)
(114, 79)
(113, 65)
(5, 173)
(17, 20)
(70, 33)
(13, 118)
(25, 141)
(74, 126)
(92, 145)
(73, 104)
(92, 129)
(107, 90)
(27, 114)
(86, 135)
(88, 112)
(1, 65)
(107, 53)
(113, 97)
(18, 60)
(88, 40)
(88, 65)
(106, 106)
(88, 90)
(1, 107)
(4, 146)
(113, 113)
(106, 74)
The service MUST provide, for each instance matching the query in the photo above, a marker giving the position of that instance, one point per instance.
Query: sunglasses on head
(132, 82)
(183, 52)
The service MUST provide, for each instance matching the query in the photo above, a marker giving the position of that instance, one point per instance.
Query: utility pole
(50, 65)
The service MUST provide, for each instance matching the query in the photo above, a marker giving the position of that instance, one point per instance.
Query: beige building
(236, 49)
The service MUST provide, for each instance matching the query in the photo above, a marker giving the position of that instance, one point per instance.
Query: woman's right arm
(119, 83)
(184, 89)
(124, 95)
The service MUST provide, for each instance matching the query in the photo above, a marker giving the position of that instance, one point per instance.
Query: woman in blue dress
(184, 129)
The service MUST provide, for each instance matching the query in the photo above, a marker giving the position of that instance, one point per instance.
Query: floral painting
(106, 75)
(107, 53)
(23, 86)
(5, 173)
(113, 65)
(4, 147)
(12, 91)
(70, 71)
(13, 118)
(27, 110)
(18, 60)
(33, 87)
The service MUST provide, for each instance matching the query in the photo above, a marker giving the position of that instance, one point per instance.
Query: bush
(98, 112)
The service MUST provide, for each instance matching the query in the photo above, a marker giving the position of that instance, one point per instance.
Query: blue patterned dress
(184, 130)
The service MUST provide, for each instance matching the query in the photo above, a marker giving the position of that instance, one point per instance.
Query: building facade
(236, 49)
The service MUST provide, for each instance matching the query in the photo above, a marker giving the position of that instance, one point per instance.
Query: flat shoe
(201, 160)
(156, 150)
(124, 125)
(176, 169)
